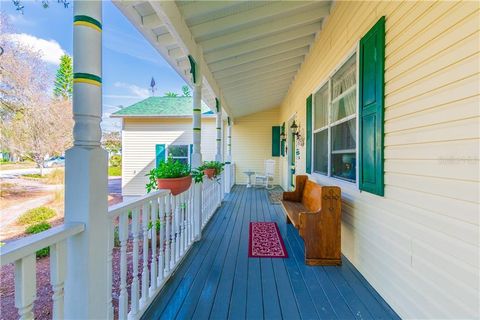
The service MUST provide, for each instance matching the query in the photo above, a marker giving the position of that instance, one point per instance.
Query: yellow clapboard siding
(139, 137)
(417, 244)
(252, 144)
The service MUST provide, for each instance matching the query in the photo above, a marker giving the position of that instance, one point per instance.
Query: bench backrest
(312, 196)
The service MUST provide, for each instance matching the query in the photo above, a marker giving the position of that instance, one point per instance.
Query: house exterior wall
(139, 137)
(252, 144)
(419, 244)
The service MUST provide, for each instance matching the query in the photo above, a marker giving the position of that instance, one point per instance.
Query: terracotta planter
(210, 173)
(175, 185)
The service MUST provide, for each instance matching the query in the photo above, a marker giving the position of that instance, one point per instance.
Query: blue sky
(129, 61)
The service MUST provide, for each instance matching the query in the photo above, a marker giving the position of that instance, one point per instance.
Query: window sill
(351, 186)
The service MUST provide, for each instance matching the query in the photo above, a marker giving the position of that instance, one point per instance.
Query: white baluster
(123, 236)
(185, 220)
(168, 236)
(145, 275)
(58, 268)
(182, 223)
(25, 286)
(161, 254)
(178, 217)
(111, 235)
(173, 258)
(190, 216)
(135, 282)
(153, 267)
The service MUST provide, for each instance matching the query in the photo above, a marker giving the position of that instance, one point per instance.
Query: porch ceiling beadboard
(247, 50)
(417, 245)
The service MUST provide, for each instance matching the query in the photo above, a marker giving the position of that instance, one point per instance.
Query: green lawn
(114, 171)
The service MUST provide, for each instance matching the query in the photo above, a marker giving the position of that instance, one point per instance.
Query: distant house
(156, 128)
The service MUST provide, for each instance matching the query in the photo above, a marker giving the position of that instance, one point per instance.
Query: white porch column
(228, 160)
(197, 152)
(219, 155)
(86, 184)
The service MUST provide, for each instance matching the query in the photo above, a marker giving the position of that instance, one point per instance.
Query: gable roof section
(161, 107)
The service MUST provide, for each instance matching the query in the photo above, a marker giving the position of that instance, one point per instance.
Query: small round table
(249, 174)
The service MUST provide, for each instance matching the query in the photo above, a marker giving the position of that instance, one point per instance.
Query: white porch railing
(150, 235)
(212, 196)
(22, 253)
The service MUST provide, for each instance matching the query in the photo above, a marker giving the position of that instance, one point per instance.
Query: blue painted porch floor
(217, 280)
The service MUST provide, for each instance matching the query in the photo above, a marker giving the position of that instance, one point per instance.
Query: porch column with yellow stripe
(87, 288)
(197, 152)
(219, 155)
(228, 160)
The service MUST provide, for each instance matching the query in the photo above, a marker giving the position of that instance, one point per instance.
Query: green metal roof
(161, 107)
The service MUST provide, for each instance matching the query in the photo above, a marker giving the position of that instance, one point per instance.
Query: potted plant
(212, 168)
(171, 174)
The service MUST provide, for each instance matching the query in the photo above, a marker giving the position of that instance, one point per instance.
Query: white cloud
(50, 50)
(18, 19)
(134, 90)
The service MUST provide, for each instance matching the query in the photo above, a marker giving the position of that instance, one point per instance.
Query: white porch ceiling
(249, 51)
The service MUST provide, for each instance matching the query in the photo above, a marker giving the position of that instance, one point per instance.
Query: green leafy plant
(116, 160)
(37, 228)
(218, 166)
(36, 215)
(169, 169)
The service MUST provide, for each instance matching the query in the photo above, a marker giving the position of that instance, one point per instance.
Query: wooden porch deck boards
(217, 280)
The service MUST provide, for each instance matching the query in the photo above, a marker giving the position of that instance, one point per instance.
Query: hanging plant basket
(210, 173)
(175, 185)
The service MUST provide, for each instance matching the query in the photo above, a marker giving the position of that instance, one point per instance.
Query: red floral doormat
(265, 241)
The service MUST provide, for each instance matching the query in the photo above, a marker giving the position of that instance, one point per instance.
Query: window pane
(182, 160)
(344, 166)
(321, 107)
(344, 78)
(344, 136)
(320, 161)
(344, 107)
(178, 151)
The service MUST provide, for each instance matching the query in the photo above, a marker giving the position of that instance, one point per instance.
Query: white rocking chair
(264, 179)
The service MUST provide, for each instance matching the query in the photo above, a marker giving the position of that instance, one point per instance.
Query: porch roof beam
(192, 9)
(261, 43)
(248, 17)
(176, 25)
(285, 47)
(250, 87)
(254, 76)
(313, 13)
(260, 93)
(259, 66)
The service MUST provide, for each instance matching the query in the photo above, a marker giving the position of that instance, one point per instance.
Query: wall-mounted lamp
(294, 128)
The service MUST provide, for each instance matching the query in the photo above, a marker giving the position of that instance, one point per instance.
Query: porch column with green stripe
(228, 160)
(197, 139)
(219, 124)
(88, 281)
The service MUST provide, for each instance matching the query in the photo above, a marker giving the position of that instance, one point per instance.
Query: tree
(186, 91)
(112, 142)
(64, 78)
(170, 94)
(23, 73)
(41, 130)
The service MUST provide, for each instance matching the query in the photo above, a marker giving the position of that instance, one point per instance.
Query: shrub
(116, 161)
(36, 215)
(114, 171)
(37, 228)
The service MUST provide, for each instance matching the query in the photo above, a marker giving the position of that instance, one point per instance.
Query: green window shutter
(308, 154)
(371, 109)
(159, 154)
(276, 141)
(282, 140)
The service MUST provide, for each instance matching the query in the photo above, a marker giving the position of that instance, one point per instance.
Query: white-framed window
(179, 152)
(335, 124)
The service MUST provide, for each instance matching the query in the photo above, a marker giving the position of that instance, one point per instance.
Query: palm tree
(170, 94)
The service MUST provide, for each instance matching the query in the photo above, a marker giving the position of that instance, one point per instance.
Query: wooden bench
(316, 212)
